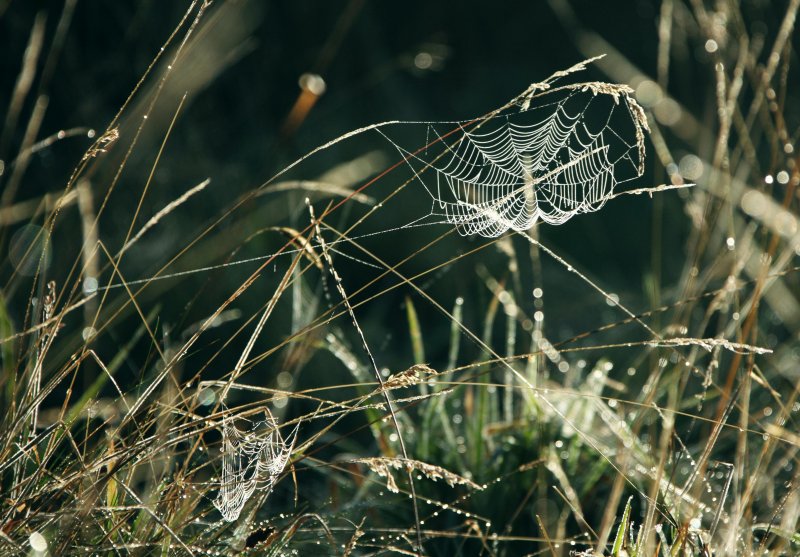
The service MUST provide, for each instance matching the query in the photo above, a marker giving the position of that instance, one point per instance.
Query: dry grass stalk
(414, 375)
(382, 467)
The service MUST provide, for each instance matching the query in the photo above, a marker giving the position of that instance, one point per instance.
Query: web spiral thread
(250, 461)
(547, 162)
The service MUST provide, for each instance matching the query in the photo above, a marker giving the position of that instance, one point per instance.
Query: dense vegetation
(203, 268)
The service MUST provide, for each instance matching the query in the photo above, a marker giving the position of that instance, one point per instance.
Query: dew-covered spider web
(549, 161)
(250, 461)
(552, 152)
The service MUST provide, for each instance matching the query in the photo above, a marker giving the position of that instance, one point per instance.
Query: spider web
(552, 152)
(250, 461)
(547, 162)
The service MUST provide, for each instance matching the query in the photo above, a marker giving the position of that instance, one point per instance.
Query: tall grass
(625, 384)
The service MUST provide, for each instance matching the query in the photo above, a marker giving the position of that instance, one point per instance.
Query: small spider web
(250, 460)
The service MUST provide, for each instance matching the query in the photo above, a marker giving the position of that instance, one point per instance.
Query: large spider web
(552, 152)
(548, 162)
